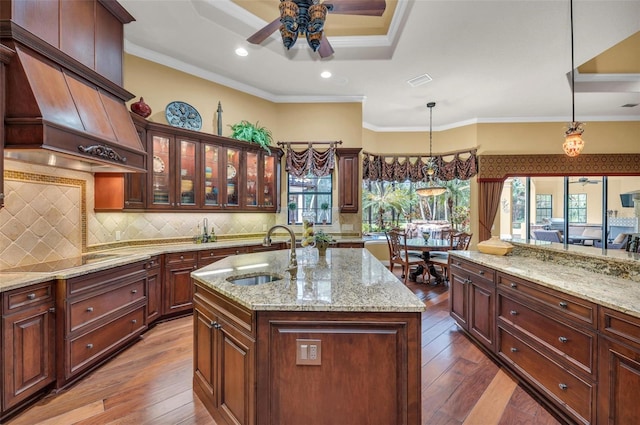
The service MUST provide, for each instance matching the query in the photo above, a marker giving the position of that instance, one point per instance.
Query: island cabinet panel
(472, 300)
(224, 358)
(28, 344)
(378, 352)
(154, 288)
(619, 368)
(99, 314)
(178, 292)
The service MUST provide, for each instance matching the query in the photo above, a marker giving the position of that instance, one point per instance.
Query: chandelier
(304, 17)
(573, 142)
(431, 167)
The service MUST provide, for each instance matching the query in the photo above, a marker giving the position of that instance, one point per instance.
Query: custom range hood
(56, 117)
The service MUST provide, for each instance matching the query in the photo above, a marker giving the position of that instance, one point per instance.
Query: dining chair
(398, 254)
(379, 249)
(459, 242)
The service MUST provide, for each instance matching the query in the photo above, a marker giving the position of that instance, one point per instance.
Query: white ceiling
(491, 61)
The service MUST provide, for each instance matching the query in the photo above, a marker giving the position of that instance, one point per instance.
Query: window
(543, 208)
(578, 208)
(309, 195)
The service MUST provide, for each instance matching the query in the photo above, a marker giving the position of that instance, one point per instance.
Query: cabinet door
(28, 351)
(178, 293)
(236, 395)
(232, 171)
(269, 190)
(348, 180)
(482, 311)
(162, 194)
(187, 175)
(154, 292)
(204, 343)
(251, 181)
(619, 372)
(212, 180)
(134, 190)
(458, 298)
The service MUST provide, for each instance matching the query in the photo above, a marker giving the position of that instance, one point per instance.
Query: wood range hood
(65, 104)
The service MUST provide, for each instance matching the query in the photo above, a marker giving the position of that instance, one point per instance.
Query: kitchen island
(340, 343)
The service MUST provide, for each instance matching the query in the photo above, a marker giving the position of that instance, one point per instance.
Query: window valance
(456, 165)
(319, 163)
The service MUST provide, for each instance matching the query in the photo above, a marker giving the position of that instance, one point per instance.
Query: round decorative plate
(231, 171)
(158, 164)
(183, 115)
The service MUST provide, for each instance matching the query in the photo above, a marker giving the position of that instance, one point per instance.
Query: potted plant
(322, 241)
(325, 215)
(254, 133)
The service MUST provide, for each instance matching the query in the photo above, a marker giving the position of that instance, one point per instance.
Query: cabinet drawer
(619, 325)
(470, 270)
(569, 392)
(153, 262)
(28, 296)
(180, 257)
(96, 281)
(567, 305)
(85, 311)
(571, 343)
(88, 347)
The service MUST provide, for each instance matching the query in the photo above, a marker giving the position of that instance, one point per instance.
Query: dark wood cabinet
(618, 368)
(154, 288)
(100, 313)
(135, 183)
(472, 299)
(224, 357)
(178, 292)
(5, 56)
(349, 179)
(28, 344)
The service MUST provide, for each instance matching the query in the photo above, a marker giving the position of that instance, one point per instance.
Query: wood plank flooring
(150, 382)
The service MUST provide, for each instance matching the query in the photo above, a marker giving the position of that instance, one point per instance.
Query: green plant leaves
(254, 133)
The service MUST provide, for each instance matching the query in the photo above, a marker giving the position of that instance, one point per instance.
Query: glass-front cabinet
(194, 171)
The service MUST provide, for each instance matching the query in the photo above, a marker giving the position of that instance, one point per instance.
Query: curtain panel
(463, 165)
(310, 160)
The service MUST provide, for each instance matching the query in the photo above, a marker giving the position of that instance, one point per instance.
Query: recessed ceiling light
(325, 74)
(241, 51)
(419, 80)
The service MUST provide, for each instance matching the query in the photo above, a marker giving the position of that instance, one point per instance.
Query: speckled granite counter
(618, 293)
(345, 280)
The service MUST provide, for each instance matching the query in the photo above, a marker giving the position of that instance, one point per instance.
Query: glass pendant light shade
(431, 191)
(573, 142)
(431, 166)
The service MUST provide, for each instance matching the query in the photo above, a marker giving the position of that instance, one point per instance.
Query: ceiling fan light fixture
(317, 15)
(313, 39)
(289, 15)
(288, 37)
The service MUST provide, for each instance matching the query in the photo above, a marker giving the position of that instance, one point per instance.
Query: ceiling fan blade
(325, 50)
(265, 32)
(358, 7)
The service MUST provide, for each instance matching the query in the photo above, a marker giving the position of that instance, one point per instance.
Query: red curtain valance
(463, 165)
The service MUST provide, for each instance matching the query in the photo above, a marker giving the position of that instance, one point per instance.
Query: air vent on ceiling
(630, 105)
(419, 80)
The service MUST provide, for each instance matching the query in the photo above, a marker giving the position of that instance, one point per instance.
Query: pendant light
(573, 143)
(430, 168)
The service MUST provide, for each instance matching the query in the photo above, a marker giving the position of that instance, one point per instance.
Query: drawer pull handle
(182, 257)
(134, 291)
(481, 272)
(563, 386)
(513, 313)
(457, 263)
(134, 321)
(217, 325)
(89, 346)
(31, 296)
(514, 350)
(514, 285)
(52, 309)
(563, 304)
(89, 309)
(211, 254)
(563, 339)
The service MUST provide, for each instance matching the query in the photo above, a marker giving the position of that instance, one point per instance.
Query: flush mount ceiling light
(241, 51)
(307, 18)
(573, 143)
(430, 168)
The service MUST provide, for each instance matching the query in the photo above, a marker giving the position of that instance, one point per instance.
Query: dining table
(427, 246)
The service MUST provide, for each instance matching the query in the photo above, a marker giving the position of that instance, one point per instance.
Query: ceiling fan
(307, 17)
(586, 180)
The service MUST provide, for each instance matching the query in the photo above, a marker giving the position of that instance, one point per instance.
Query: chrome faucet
(293, 262)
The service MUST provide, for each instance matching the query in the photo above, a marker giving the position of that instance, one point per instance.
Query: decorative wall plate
(183, 115)
(231, 171)
(158, 164)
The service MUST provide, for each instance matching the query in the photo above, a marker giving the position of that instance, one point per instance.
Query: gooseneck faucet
(293, 262)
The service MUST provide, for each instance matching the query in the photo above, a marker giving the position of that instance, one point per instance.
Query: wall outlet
(118, 235)
(308, 352)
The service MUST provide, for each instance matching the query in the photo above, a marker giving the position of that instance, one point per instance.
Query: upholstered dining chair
(459, 242)
(398, 254)
(379, 248)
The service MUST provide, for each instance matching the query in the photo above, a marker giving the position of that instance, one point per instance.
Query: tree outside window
(543, 208)
(309, 195)
(578, 208)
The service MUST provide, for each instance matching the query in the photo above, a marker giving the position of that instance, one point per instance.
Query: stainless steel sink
(254, 279)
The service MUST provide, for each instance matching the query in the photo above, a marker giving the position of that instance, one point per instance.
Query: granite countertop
(346, 280)
(609, 291)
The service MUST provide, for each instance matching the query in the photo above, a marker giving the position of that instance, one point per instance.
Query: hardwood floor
(150, 382)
